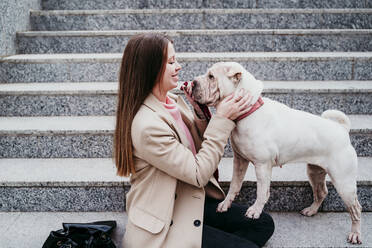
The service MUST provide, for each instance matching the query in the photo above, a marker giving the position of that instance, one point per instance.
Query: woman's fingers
(245, 101)
(229, 98)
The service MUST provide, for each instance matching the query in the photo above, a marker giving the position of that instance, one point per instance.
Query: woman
(171, 153)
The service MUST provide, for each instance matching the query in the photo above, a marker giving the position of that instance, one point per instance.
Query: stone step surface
(85, 185)
(149, 19)
(196, 4)
(83, 99)
(261, 40)
(92, 136)
(31, 229)
(291, 229)
(103, 67)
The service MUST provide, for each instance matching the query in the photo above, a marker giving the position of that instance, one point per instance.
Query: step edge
(94, 33)
(204, 11)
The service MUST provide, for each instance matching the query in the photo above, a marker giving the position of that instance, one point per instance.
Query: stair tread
(116, 57)
(34, 227)
(106, 123)
(291, 229)
(111, 87)
(98, 172)
(174, 33)
(199, 11)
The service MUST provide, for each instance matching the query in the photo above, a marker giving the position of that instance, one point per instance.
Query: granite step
(92, 136)
(83, 99)
(85, 185)
(291, 228)
(150, 19)
(197, 4)
(102, 67)
(31, 229)
(261, 40)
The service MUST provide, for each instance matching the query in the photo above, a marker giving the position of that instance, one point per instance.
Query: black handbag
(82, 235)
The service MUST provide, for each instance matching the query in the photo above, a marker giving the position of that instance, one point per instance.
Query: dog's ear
(234, 74)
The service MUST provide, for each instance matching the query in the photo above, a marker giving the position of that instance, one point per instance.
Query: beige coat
(165, 204)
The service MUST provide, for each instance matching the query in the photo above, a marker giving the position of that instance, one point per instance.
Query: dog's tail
(337, 116)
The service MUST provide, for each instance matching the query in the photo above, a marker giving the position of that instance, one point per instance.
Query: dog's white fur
(275, 135)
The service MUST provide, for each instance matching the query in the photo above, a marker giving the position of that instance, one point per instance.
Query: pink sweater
(170, 105)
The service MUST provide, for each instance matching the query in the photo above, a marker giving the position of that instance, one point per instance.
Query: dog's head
(221, 80)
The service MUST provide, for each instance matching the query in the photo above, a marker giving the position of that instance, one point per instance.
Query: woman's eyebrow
(172, 57)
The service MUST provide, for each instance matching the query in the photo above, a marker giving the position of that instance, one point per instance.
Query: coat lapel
(154, 104)
(188, 120)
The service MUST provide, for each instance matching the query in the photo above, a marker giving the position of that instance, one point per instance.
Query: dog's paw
(355, 238)
(253, 212)
(309, 211)
(224, 206)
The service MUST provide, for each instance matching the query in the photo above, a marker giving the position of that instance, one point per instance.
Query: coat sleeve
(200, 123)
(158, 145)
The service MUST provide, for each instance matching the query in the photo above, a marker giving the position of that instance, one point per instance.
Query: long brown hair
(142, 66)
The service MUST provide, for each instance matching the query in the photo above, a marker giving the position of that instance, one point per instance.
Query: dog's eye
(211, 77)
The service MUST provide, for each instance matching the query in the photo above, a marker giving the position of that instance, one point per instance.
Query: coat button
(175, 196)
(197, 223)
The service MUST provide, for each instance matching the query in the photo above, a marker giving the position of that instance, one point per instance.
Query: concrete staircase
(58, 100)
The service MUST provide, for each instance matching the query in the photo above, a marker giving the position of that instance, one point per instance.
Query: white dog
(275, 134)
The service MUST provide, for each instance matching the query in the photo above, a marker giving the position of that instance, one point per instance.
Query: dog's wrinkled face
(219, 81)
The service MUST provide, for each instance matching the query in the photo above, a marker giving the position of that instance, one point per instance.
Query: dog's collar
(255, 106)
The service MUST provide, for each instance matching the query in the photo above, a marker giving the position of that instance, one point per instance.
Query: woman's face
(170, 77)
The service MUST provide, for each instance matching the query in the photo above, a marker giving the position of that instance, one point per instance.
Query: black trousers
(233, 229)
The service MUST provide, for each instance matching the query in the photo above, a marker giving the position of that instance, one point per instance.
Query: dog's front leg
(263, 175)
(240, 168)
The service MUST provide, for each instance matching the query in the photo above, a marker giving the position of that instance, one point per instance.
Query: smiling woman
(170, 76)
(171, 154)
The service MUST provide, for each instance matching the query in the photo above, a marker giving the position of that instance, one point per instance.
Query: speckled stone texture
(333, 201)
(78, 4)
(200, 20)
(296, 198)
(57, 146)
(10, 72)
(139, 4)
(53, 105)
(362, 69)
(117, 21)
(105, 104)
(72, 44)
(262, 69)
(339, 69)
(36, 199)
(60, 72)
(100, 145)
(303, 4)
(14, 16)
(316, 103)
(112, 198)
(238, 42)
(288, 21)
(362, 143)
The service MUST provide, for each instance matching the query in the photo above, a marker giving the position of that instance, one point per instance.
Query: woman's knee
(268, 222)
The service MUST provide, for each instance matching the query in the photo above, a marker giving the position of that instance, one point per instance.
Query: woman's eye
(211, 77)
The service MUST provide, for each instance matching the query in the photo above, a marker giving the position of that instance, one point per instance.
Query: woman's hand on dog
(235, 105)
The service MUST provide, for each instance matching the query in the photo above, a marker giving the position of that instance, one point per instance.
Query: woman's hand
(235, 105)
(201, 110)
